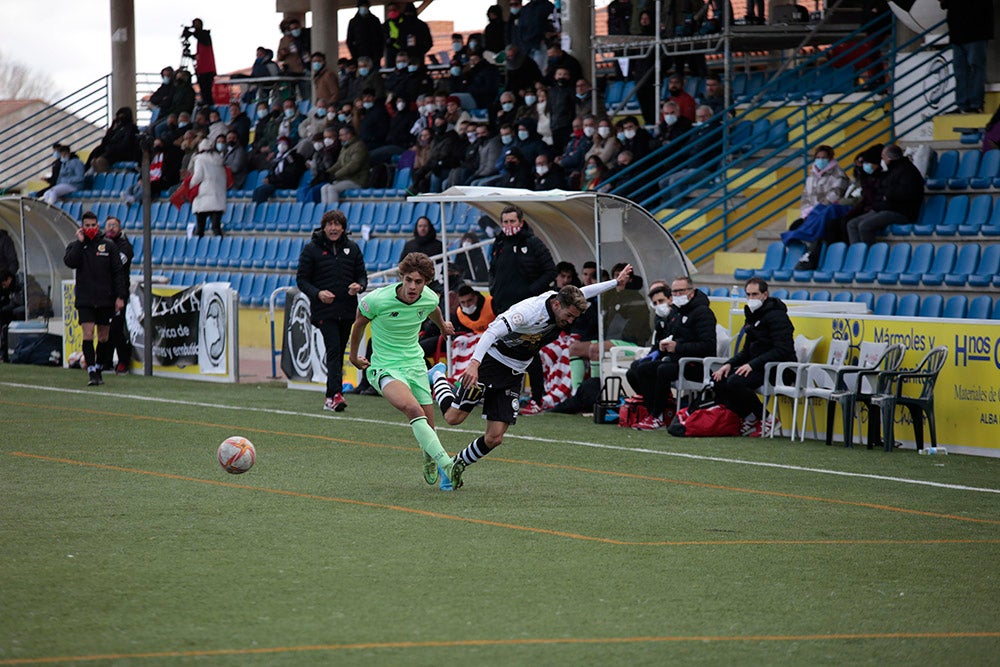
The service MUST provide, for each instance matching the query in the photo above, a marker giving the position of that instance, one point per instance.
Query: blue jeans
(969, 63)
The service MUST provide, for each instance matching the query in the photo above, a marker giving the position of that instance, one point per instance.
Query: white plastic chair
(804, 350)
(823, 379)
(723, 344)
(619, 358)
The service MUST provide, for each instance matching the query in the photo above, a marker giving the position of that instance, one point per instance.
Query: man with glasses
(767, 337)
(683, 328)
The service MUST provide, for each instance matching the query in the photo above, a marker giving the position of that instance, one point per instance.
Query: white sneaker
(750, 427)
(772, 423)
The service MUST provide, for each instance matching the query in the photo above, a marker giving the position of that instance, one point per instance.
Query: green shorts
(414, 377)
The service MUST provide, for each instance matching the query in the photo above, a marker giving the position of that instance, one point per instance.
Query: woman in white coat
(210, 177)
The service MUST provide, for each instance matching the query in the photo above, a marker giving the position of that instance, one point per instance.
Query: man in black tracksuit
(767, 336)
(520, 267)
(687, 330)
(101, 289)
(118, 335)
(332, 273)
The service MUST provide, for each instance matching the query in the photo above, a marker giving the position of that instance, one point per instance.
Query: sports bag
(704, 417)
(631, 412)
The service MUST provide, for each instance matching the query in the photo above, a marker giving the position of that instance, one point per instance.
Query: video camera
(187, 32)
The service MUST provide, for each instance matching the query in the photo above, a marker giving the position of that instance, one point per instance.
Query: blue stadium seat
(219, 258)
(378, 222)
(996, 310)
(980, 208)
(947, 163)
(988, 267)
(955, 215)
(843, 297)
(908, 305)
(294, 251)
(980, 308)
(956, 307)
(853, 260)
(397, 250)
(932, 212)
(719, 291)
(931, 306)
(370, 251)
(820, 295)
(780, 293)
(968, 165)
(920, 263)
(989, 169)
(384, 260)
(874, 262)
(304, 222)
(170, 247)
(866, 298)
(793, 251)
(137, 250)
(361, 217)
(944, 260)
(777, 135)
(235, 256)
(199, 277)
(209, 250)
(968, 258)
(992, 226)
(393, 224)
(899, 257)
(613, 94)
(401, 180)
(799, 295)
(268, 283)
(156, 249)
(885, 304)
(742, 134)
(772, 260)
(831, 260)
(195, 246)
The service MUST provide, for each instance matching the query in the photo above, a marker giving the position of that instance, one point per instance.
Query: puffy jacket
(100, 278)
(210, 177)
(901, 190)
(520, 266)
(692, 326)
(325, 265)
(767, 336)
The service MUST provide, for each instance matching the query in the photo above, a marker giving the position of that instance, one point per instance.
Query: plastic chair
(899, 257)
(866, 298)
(791, 378)
(944, 260)
(857, 388)
(878, 253)
(968, 259)
(968, 166)
(780, 293)
(980, 308)
(980, 208)
(723, 346)
(821, 295)
(908, 305)
(920, 263)
(988, 267)
(955, 215)
(885, 304)
(772, 260)
(989, 169)
(947, 164)
(793, 253)
(931, 306)
(854, 259)
(956, 307)
(890, 395)
(843, 297)
(830, 262)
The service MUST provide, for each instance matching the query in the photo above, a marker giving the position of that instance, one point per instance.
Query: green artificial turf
(123, 542)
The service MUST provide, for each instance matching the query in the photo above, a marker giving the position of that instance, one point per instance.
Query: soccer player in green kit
(397, 369)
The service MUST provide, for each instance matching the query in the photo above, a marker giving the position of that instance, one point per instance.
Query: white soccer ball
(237, 455)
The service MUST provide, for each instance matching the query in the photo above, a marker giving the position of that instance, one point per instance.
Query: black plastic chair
(890, 394)
(849, 398)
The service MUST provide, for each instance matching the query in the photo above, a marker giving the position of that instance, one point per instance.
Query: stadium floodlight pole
(147, 258)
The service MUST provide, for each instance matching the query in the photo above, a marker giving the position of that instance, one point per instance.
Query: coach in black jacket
(101, 289)
(332, 273)
(767, 337)
(520, 264)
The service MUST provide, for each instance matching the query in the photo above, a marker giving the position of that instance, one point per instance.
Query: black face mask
(510, 166)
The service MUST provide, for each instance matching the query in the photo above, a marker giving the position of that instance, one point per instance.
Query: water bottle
(734, 294)
(928, 451)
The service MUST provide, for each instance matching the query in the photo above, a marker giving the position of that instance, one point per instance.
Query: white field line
(509, 435)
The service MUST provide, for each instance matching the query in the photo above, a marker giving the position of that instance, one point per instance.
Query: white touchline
(639, 450)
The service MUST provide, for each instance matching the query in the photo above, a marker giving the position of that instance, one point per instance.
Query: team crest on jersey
(517, 319)
(394, 313)
(347, 251)
(102, 248)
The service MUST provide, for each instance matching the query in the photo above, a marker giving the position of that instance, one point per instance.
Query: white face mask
(318, 145)
(662, 309)
(588, 130)
(669, 118)
(884, 166)
(468, 310)
(541, 169)
(328, 141)
(400, 106)
(681, 300)
(630, 134)
(754, 304)
(604, 131)
(466, 244)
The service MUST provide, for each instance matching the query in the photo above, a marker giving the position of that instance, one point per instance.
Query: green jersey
(396, 326)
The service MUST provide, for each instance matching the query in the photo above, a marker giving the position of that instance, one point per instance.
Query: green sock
(576, 372)
(428, 439)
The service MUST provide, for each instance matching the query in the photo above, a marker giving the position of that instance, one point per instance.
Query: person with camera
(204, 59)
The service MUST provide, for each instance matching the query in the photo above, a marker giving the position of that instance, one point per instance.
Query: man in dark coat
(970, 28)
(332, 273)
(364, 35)
(685, 329)
(101, 289)
(118, 335)
(520, 264)
(11, 307)
(901, 191)
(767, 337)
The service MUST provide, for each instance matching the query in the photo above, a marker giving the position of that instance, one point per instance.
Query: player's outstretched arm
(357, 333)
(447, 328)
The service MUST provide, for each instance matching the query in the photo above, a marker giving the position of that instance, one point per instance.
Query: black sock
(475, 451)
(88, 354)
(104, 354)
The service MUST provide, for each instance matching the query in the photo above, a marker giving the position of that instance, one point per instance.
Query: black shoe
(95, 379)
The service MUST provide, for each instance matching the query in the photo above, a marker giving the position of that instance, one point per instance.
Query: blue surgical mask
(412, 68)
(363, 11)
(456, 71)
(522, 135)
(165, 79)
(621, 136)
(320, 112)
(821, 163)
(506, 139)
(530, 99)
(363, 71)
(401, 65)
(289, 113)
(317, 66)
(342, 117)
(868, 168)
(183, 123)
(297, 32)
(456, 46)
(507, 106)
(367, 105)
(515, 10)
(473, 45)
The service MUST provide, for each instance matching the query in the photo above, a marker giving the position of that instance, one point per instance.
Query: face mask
(471, 136)
(868, 168)
(468, 310)
(400, 106)
(669, 118)
(541, 169)
(630, 134)
(821, 163)
(505, 139)
(473, 44)
(220, 147)
(466, 244)
(363, 11)
(510, 166)
(401, 66)
(55, 154)
(456, 46)
(282, 148)
(64, 158)
(342, 117)
(363, 71)
(621, 136)
(507, 106)
(367, 105)
(320, 112)
(590, 171)
(289, 113)
(522, 135)
(297, 32)
(456, 71)
(393, 15)
(318, 145)
(681, 300)
(604, 131)
(588, 131)
(698, 124)
(228, 143)
(317, 66)
(91, 232)
(515, 11)
(510, 230)
(261, 113)
(530, 99)
(662, 309)
(183, 124)
(411, 68)
(165, 79)
(562, 82)
(580, 96)
(754, 304)
(328, 141)
(884, 166)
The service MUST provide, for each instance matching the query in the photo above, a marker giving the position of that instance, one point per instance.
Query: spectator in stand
(606, 145)
(901, 192)
(265, 135)
(118, 336)
(517, 171)
(406, 80)
(161, 98)
(705, 145)
(585, 94)
(204, 60)
(294, 51)
(970, 29)
(549, 175)
(557, 58)
(421, 152)
(11, 306)
(673, 125)
(263, 67)
(313, 123)
(521, 71)
(347, 69)
(471, 263)
(495, 32)
(424, 240)
(210, 177)
(164, 171)
(285, 172)
(415, 34)
(51, 179)
(239, 123)
(580, 141)
(459, 52)
(635, 138)
(325, 83)
(216, 128)
(483, 80)
(351, 168)
(685, 103)
(393, 30)
(288, 125)
(371, 120)
(562, 109)
(398, 137)
(529, 27)
(488, 148)
(365, 36)
(593, 173)
(622, 161)
(235, 157)
(183, 97)
(200, 122)
(189, 148)
(508, 111)
(447, 150)
(825, 185)
(70, 176)
(475, 310)
(370, 79)
(326, 150)
(529, 142)
(715, 94)
(620, 17)
(119, 144)
(454, 114)
(168, 129)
